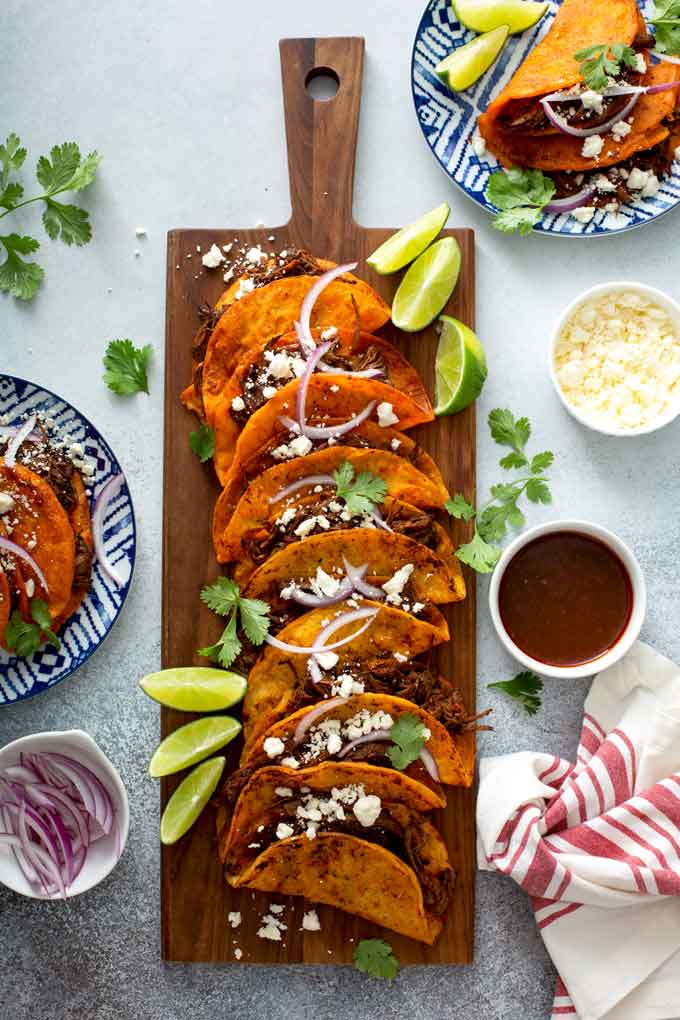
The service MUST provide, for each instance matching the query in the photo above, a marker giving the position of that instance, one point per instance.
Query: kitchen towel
(596, 844)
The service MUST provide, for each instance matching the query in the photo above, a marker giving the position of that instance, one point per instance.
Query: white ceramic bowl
(658, 296)
(102, 856)
(637, 616)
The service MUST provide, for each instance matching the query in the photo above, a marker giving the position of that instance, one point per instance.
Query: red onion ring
(378, 518)
(356, 576)
(302, 483)
(430, 764)
(326, 432)
(313, 294)
(319, 645)
(665, 56)
(563, 125)
(425, 756)
(304, 598)
(653, 89)
(366, 373)
(303, 385)
(107, 493)
(16, 550)
(562, 205)
(315, 713)
(20, 435)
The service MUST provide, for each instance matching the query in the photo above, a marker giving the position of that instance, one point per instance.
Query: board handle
(321, 135)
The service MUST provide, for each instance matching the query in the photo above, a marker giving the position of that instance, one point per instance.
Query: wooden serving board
(322, 139)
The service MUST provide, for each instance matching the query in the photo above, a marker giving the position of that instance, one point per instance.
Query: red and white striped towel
(597, 844)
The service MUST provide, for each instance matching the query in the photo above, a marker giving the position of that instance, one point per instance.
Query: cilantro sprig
(360, 494)
(252, 615)
(202, 442)
(24, 638)
(64, 170)
(666, 22)
(603, 61)
(502, 511)
(525, 687)
(375, 958)
(126, 367)
(520, 196)
(408, 735)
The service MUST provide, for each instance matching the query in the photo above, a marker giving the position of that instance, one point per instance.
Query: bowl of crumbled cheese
(615, 359)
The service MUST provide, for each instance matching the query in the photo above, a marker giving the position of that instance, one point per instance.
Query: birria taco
(266, 504)
(353, 836)
(367, 437)
(521, 131)
(351, 354)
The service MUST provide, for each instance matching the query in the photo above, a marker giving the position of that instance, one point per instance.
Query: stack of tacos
(46, 544)
(304, 399)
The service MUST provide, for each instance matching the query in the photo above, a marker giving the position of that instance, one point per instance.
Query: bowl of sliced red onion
(64, 815)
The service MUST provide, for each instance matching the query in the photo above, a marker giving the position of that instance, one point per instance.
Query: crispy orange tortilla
(270, 311)
(43, 529)
(331, 399)
(81, 523)
(453, 771)
(368, 436)
(551, 66)
(255, 513)
(5, 605)
(336, 868)
(400, 374)
(277, 676)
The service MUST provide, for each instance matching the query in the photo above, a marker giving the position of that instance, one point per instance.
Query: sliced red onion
(365, 373)
(380, 521)
(313, 293)
(653, 89)
(563, 205)
(666, 57)
(303, 385)
(319, 645)
(302, 483)
(107, 493)
(16, 550)
(601, 129)
(314, 601)
(328, 431)
(365, 738)
(315, 713)
(430, 764)
(356, 576)
(20, 435)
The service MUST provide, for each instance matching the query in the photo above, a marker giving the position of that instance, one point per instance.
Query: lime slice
(485, 15)
(407, 244)
(192, 743)
(195, 688)
(427, 286)
(467, 64)
(189, 799)
(460, 367)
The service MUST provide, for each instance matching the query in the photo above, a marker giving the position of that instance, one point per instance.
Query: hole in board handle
(322, 84)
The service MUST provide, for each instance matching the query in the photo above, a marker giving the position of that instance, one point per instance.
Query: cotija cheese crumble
(617, 360)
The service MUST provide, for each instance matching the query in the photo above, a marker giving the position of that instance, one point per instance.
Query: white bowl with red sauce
(567, 599)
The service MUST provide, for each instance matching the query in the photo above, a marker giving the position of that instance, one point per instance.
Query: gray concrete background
(183, 100)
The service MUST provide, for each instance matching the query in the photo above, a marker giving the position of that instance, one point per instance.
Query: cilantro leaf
(537, 491)
(69, 222)
(18, 277)
(408, 735)
(506, 431)
(513, 460)
(667, 23)
(12, 156)
(224, 597)
(362, 493)
(202, 443)
(221, 596)
(10, 195)
(603, 61)
(57, 175)
(226, 648)
(254, 614)
(520, 196)
(525, 687)
(460, 508)
(478, 554)
(375, 958)
(24, 638)
(126, 367)
(541, 462)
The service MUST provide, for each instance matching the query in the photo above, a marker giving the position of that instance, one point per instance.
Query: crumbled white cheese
(238, 953)
(268, 392)
(395, 444)
(592, 147)
(345, 686)
(310, 921)
(394, 587)
(281, 365)
(6, 502)
(245, 286)
(286, 517)
(238, 404)
(323, 584)
(651, 187)
(283, 791)
(617, 360)
(29, 588)
(255, 256)
(386, 415)
(290, 763)
(620, 130)
(640, 64)
(637, 179)
(329, 333)
(367, 809)
(301, 446)
(676, 154)
(478, 145)
(140, 231)
(604, 184)
(400, 657)
(213, 258)
(592, 100)
(283, 831)
(584, 213)
(234, 918)
(327, 660)
(229, 275)
(273, 747)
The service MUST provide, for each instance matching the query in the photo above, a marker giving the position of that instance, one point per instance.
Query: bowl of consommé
(567, 599)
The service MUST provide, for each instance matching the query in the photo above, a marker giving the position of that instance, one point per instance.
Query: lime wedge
(427, 286)
(485, 15)
(467, 64)
(192, 743)
(189, 799)
(195, 688)
(407, 244)
(460, 367)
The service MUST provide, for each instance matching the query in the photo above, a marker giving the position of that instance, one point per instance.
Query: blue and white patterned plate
(448, 121)
(22, 678)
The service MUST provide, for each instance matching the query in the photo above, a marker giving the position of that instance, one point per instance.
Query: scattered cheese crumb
(620, 130)
(213, 258)
(238, 953)
(283, 831)
(310, 921)
(367, 809)
(238, 404)
(592, 147)
(273, 747)
(234, 918)
(584, 213)
(386, 415)
(592, 100)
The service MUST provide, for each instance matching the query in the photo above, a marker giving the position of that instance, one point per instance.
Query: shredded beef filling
(51, 464)
(657, 160)
(83, 564)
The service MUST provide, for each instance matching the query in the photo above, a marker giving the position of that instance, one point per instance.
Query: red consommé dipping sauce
(565, 598)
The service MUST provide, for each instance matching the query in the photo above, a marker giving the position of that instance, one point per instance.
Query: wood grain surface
(321, 154)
